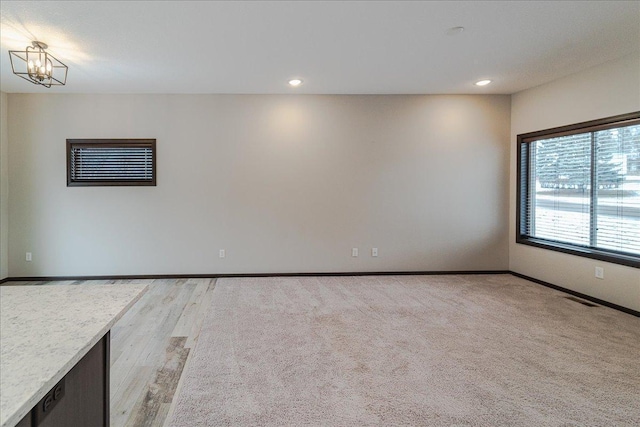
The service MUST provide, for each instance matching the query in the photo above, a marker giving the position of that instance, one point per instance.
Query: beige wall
(4, 188)
(603, 91)
(283, 183)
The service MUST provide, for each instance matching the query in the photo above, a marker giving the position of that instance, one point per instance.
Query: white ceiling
(336, 47)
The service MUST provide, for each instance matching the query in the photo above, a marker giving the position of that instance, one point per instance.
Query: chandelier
(37, 66)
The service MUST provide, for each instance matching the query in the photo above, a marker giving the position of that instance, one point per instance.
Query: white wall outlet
(28, 257)
(354, 252)
(374, 251)
(599, 273)
(222, 253)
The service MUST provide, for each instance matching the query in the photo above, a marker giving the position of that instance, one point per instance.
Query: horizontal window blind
(579, 189)
(617, 197)
(111, 162)
(560, 185)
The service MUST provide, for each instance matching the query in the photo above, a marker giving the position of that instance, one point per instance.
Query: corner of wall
(4, 187)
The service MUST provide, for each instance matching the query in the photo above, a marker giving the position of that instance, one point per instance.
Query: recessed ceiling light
(483, 82)
(454, 30)
(295, 82)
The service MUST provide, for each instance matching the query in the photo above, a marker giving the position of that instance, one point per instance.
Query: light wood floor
(150, 346)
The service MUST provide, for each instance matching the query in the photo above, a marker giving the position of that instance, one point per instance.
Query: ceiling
(336, 47)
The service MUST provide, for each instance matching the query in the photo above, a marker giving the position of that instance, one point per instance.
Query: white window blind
(111, 162)
(579, 189)
(562, 177)
(617, 195)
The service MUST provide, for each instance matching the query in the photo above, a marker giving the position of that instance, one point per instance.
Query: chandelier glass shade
(37, 66)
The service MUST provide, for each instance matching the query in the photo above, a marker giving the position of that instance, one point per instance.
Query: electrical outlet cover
(599, 272)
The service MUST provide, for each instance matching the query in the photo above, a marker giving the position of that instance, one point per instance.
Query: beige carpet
(485, 350)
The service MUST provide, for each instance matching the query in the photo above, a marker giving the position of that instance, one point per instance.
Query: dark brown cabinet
(81, 398)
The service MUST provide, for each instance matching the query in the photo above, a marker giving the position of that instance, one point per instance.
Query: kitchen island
(54, 351)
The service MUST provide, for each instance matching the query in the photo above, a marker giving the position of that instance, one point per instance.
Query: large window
(579, 189)
(106, 162)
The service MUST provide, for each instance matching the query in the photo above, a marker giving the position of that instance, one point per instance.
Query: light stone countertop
(45, 330)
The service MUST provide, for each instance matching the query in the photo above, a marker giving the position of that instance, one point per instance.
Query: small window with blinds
(579, 189)
(111, 162)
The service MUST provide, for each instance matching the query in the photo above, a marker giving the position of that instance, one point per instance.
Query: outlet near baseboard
(599, 273)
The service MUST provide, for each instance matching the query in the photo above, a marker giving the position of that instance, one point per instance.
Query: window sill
(612, 257)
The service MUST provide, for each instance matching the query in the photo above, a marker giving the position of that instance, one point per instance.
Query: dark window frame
(112, 143)
(523, 186)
